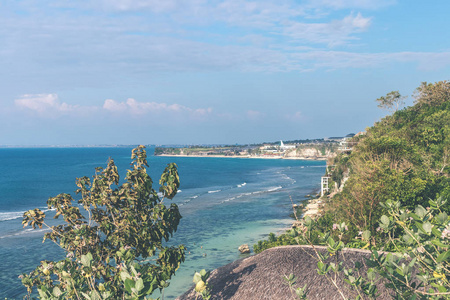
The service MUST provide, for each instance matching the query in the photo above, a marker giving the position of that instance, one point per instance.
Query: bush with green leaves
(274, 241)
(419, 268)
(296, 293)
(115, 249)
(202, 287)
(404, 157)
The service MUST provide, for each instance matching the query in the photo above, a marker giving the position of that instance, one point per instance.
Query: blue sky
(222, 71)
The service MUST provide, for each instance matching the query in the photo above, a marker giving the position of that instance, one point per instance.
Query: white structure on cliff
(284, 147)
(324, 185)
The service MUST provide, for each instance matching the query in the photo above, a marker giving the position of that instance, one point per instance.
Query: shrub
(107, 248)
(418, 269)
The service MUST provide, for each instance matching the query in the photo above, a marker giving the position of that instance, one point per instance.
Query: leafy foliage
(392, 101)
(202, 287)
(433, 94)
(418, 269)
(404, 157)
(274, 241)
(383, 203)
(300, 292)
(109, 245)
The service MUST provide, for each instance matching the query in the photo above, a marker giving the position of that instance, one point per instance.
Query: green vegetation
(392, 198)
(382, 201)
(418, 268)
(405, 157)
(274, 241)
(392, 101)
(109, 246)
(199, 150)
(202, 288)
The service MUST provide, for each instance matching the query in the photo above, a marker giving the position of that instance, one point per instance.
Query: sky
(210, 72)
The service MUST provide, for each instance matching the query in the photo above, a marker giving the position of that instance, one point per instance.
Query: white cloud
(135, 107)
(42, 103)
(352, 4)
(250, 36)
(115, 106)
(428, 61)
(152, 5)
(334, 33)
(255, 115)
(49, 104)
(296, 116)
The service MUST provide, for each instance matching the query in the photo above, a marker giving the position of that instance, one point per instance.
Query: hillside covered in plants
(404, 157)
(390, 192)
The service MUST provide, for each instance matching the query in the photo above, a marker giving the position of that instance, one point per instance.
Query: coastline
(309, 208)
(312, 208)
(247, 156)
(209, 249)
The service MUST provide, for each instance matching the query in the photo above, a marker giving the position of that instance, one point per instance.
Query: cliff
(311, 152)
(320, 151)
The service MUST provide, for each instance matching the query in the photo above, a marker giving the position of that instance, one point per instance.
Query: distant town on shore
(319, 149)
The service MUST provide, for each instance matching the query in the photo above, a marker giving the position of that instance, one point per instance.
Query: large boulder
(261, 276)
(244, 249)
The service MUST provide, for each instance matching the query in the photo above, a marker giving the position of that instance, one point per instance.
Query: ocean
(225, 202)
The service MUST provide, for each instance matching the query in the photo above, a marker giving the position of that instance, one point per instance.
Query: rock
(244, 248)
(258, 276)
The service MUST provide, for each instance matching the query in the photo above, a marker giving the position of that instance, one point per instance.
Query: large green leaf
(129, 284)
(139, 284)
(444, 256)
(427, 227)
(86, 259)
(197, 277)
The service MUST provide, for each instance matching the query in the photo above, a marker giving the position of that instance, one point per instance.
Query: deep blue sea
(225, 202)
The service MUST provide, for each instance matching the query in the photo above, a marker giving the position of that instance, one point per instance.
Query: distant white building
(284, 147)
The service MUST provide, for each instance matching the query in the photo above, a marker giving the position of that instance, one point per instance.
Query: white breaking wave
(193, 197)
(229, 199)
(25, 231)
(216, 191)
(241, 185)
(11, 215)
(275, 189)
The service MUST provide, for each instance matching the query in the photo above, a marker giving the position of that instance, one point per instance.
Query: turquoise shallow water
(225, 202)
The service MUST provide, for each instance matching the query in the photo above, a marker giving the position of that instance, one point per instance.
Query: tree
(432, 94)
(392, 101)
(107, 247)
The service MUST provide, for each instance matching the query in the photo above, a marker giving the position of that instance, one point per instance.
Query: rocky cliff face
(310, 153)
